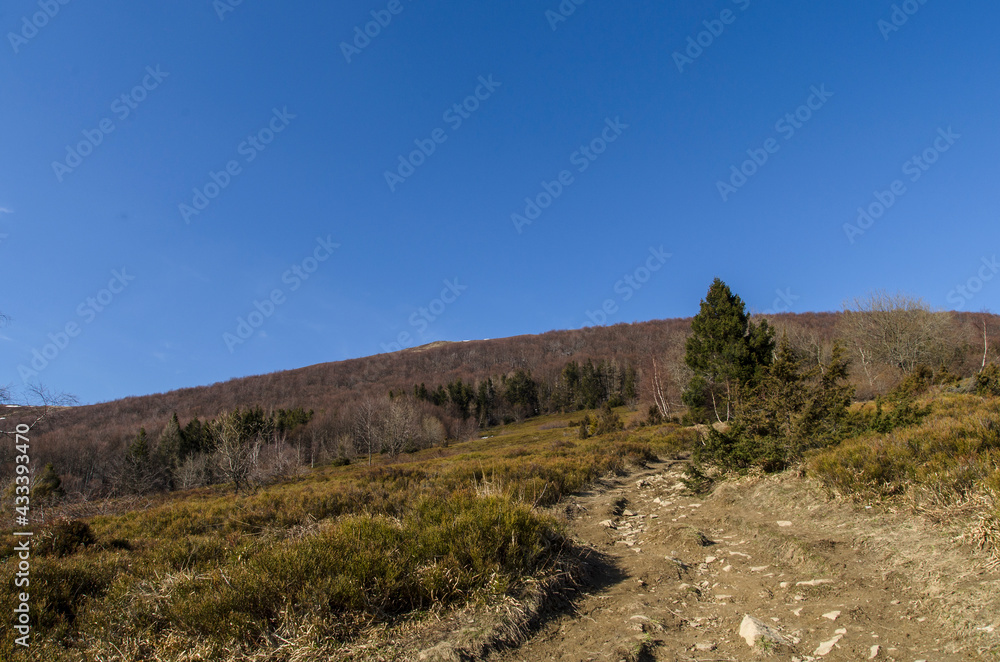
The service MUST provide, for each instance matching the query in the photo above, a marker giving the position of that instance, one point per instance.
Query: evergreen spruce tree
(170, 444)
(727, 353)
(193, 439)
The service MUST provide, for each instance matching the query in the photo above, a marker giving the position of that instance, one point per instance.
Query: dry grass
(319, 566)
(946, 467)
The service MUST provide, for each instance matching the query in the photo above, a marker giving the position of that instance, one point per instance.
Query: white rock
(608, 524)
(832, 615)
(727, 568)
(814, 582)
(705, 646)
(827, 646)
(710, 559)
(753, 630)
(874, 652)
(758, 568)
(784, 523)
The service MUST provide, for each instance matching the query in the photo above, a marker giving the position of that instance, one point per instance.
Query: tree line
(722, 366)
(507, 398)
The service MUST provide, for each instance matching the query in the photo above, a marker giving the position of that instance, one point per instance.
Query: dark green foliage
(521, 393)
(138, 451)
(788, 411)
(988, 381)
(487, 403)
(194, 439)
(66, 538)
(518, 395)
(916, 383)
(902, 413)
(696, 481)
(141, 469)
(726, 351)
(462, 397)
(825, 415)
(607, 421)
(286, 420)
(48, 485)
(170, 445)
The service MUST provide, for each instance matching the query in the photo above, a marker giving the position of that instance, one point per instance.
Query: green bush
(948, 454)
(988, 381)
(66, 538)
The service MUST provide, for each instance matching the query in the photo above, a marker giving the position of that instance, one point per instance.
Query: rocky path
(802, 577)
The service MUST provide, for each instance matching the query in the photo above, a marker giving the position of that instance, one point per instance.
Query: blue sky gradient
(305, 253)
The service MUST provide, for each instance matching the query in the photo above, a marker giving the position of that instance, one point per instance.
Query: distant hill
(80, 439)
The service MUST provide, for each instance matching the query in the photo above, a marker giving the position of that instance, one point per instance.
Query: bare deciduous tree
(401, 426)
(367, 427)
(236, 452)
(897, 332)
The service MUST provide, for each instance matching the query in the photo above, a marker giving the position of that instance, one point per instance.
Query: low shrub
(988, 381)
(65, 538)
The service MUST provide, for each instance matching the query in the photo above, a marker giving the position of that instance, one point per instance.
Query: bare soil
(674, 575)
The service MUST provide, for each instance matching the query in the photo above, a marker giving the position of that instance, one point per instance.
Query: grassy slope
(313, 563)
(317, 559)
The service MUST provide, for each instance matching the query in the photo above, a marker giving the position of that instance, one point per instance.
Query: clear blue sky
(309, 128)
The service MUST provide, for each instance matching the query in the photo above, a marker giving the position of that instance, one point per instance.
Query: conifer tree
(169, 446)
(726, 351)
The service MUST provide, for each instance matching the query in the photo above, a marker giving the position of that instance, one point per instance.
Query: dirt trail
(835, 581)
